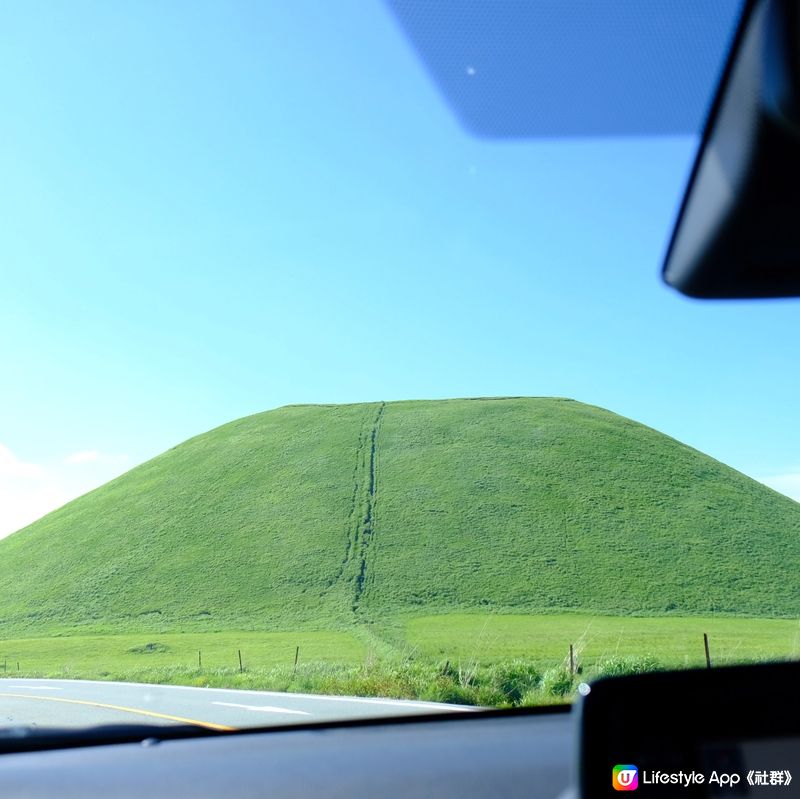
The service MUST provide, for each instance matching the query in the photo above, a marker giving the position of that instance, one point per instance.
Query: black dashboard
(475, 755)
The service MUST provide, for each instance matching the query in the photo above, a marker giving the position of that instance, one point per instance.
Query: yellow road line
(208, 724)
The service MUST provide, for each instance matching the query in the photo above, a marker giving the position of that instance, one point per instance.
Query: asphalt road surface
(83, 703)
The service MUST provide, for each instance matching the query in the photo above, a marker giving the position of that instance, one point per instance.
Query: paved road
(82, 703)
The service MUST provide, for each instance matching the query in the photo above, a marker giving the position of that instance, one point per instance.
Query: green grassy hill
(315, 516)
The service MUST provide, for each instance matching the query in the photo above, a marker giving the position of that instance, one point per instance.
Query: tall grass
(514, 683)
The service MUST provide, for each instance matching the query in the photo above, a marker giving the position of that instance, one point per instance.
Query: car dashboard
(517, 754)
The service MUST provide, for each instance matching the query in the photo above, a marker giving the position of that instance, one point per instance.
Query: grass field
(463, 658)
(544, 640)
(104, 655)
(486, 639)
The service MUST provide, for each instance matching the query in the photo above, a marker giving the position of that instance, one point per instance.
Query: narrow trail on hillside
(367, 526)
(352, 516)
(361, 517)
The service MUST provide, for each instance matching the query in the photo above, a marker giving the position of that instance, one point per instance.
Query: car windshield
(339, 378)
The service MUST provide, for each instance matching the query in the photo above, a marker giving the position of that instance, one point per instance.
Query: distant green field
(485, 639)
(466, 658)
(545, 640)
(97, 655)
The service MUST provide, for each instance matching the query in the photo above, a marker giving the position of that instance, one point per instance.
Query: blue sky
(212, 213)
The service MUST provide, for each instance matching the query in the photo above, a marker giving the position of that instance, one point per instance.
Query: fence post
(708, 656)
(571, 660)
(296, 656)
(241, 668)
(199, 659)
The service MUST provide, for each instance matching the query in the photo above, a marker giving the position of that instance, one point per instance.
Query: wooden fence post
(571, 660)
(296, 656)
(241, 668)
(708, 656)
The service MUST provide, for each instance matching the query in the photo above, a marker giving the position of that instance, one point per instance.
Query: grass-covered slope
(317, 515)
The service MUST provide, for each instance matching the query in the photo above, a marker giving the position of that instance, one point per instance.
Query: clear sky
(214, 209)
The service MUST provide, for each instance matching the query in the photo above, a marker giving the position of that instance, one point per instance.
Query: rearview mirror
(738, 231)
